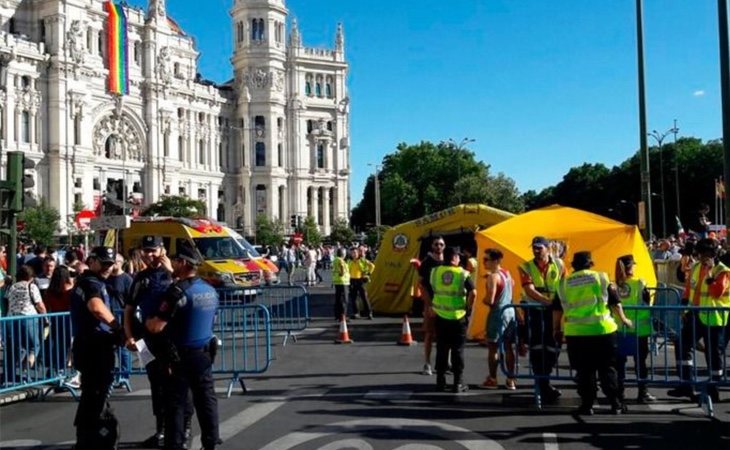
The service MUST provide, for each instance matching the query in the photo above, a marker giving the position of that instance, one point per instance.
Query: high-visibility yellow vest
(449, 295)
(548, 285)
(710, 318)
(360, 268)
(340, 272)
(584, 297)
(631, 294)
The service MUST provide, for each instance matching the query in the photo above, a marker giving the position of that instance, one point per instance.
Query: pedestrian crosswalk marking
(242, 420)
(388, 395)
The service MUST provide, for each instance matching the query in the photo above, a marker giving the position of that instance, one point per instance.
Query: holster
(213, 348)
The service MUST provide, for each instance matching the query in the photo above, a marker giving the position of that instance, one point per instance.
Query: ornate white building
(273, 140)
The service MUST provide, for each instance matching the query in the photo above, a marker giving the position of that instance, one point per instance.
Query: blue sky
(541, 86)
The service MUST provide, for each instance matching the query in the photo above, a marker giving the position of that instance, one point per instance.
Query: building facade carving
(243, 146)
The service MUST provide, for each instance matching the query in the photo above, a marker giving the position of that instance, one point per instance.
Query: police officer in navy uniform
(97, 334)
(184, 321)
(146, 292)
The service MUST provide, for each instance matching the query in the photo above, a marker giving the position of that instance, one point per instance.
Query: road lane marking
(412, 426)
(551, 441)
(242, 420)
(388, 395)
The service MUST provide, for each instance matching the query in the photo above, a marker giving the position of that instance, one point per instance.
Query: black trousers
(450, 336)
(640, 353)
(192, 373)
(715, 341)
(158, 375)
(94, 358)
(591, 354)
(340, 300)
(357, 288)
(543, 348)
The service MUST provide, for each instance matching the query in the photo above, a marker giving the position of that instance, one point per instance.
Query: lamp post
(659, 138)
(458, 148)
(377, 198)
(643, 148)
(674, 131)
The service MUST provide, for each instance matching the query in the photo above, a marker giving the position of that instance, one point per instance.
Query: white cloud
(699, 93)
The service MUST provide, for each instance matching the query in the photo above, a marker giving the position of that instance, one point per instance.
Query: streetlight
(377, 198)
(458, 148)
(674, 131)
(659, 138)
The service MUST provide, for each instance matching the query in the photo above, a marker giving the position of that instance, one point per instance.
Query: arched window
(280, 149)
(260, 126)
(100, 43)
(181, 148)
(25, 127)
(239, 32)
(308, 87)
(261, 30)
(320, 156)
(310, 126)
(201, 151)
(260, 154)
(254, 29)
(318, 89)
(329, 125)
(138, 53)
(111, 149)
(328, 90)
(260, 199)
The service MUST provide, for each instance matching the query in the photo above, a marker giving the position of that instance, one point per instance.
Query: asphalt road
(371, 395)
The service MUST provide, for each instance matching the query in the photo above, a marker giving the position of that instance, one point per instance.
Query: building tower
(259, 58)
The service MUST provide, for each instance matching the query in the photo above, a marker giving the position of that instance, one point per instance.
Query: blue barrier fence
(287, 305)
(36, 349)
(676, 338)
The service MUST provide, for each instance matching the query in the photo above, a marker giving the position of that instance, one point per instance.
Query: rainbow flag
(116, 38)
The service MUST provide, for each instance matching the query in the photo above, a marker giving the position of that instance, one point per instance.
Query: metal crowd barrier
(36, 351)
(243, 332)
(288, 306)
(671, 329)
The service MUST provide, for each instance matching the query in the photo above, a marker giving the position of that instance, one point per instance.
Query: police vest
(84, 324)
(584, 297)
(715, 318)
(191, 325)
(632, 294)
(340, 272)
(548, 285)
(449, 300)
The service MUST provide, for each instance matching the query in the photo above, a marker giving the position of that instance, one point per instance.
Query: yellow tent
(573, 229)
(390, 286)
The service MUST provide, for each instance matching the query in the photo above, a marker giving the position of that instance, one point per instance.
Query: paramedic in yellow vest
(341, 280)
(360, 271)
(708, 286)
(586, 299)
(634, 341)
(452, 294)
(540, 278)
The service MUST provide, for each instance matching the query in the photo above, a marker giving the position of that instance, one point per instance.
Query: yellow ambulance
(225, 262)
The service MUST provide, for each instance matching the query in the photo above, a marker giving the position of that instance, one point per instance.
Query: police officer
(451, 296)
(586, 299)
(540, 278)
(147, 290)
(184, 321)
(708, 286)
(341, 280)
(97, 334)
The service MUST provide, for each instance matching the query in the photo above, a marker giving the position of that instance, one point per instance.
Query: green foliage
(78, 206)
(176, 206)
(269, 232)
(373, 238)
(424, 178)
(41, 223)
(310, 231)
(341, 232)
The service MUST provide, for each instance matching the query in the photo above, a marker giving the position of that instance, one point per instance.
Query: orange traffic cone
(344, 337)
(406, 337)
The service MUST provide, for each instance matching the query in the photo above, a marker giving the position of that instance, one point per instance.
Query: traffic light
(293, 221)
(20, 182)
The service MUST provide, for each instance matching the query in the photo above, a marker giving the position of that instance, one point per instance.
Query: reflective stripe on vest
(584, 297)
(632, 294)
(711, 318)
(449, 300)
(340, 266)
(550, 285)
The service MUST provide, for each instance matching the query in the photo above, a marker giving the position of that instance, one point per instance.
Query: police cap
(186, 253)
(582, 260)
(104, 254)
(151, 242)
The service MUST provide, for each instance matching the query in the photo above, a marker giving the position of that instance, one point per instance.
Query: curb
(19, 396)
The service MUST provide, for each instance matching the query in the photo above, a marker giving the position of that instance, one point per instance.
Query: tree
(341, 232)
(310, 230)
(41, 223)
(176, 206)
(425, 178)
(269, 232)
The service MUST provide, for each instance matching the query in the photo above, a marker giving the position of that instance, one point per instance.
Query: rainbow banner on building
(116, 41)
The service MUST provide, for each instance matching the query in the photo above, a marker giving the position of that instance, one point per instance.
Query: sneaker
(510, 384)
(427, 370)
(489, 383)
(459, 387)
(74, 383)
(645, 397)
(683, 391)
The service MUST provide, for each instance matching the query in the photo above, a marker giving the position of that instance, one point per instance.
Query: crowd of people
(580, 308)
